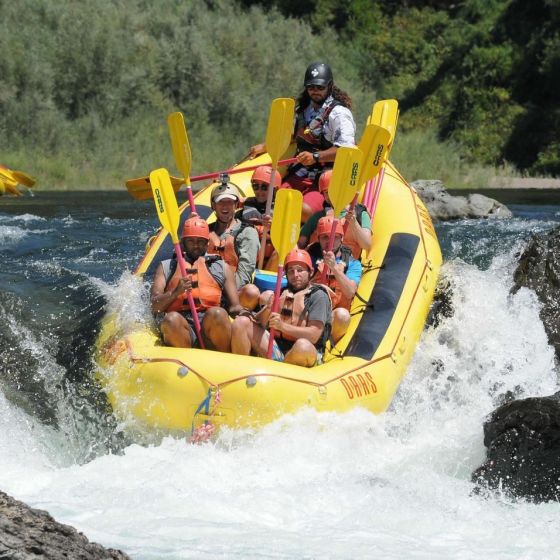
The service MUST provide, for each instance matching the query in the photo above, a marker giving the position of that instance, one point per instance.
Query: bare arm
(312, 331)
(159, 298)
(361, 234)
(347, 286)
(325, 156)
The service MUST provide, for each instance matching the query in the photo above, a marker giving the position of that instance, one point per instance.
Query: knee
(265, 297)
(240, 324)
(249, 296)
(215, 315)
(304, 347)
(172, 320)
(341, 315)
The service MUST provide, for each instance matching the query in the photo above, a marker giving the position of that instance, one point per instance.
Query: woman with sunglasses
(324, 122)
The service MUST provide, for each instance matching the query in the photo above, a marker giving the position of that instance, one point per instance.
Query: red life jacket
(206, 292)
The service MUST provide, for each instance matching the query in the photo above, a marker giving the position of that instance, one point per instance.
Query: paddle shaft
(373, 204)
(268, 212)
(275, 305)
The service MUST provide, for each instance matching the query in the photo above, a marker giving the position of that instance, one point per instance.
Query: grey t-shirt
(247, 247)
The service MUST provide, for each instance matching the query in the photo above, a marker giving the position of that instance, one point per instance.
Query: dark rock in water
(539, 270)
(523, 450)
(31, 533)
(442, 305)
(443, 206)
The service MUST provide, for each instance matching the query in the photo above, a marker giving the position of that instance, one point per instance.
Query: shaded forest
(85, 86)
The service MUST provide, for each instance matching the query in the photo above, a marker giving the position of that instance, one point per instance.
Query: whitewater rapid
(317, 485)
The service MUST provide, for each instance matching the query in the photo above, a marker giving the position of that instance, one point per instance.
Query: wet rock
(523, 450)
(442, 306)
(27, 533)
(539, 270)
(443, 206)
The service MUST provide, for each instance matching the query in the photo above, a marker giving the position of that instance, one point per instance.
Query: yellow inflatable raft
(9, 181)
(178, 389)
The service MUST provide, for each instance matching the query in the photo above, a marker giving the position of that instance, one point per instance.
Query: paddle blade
(166, 203)
(374, 146)
(385, 113)
(180, 144)
(140, 188)
(24, 178)
(280, 128)
(284, 232)
(344, 181)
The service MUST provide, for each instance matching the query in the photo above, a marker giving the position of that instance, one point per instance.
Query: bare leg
(249, 296)
(216, 326)
(248, 335)
(175, 330)
(266, 297)
(302, 353)
(340, 321)
(272, 262)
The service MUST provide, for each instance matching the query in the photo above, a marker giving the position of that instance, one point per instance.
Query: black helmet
(318, 74)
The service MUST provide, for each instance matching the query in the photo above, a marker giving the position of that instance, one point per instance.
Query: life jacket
(349, 239)
(206, 292)
(338, 299)
(294, 309)
(250, 210)
(310, 135)
(226, 247)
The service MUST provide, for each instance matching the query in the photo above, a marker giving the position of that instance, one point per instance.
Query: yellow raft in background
(177, 389)
(9, 181)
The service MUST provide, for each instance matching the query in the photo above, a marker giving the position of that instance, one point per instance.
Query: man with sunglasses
(324, 122)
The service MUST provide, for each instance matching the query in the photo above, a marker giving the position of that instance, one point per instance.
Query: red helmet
(196, 227)
(263, 175)
(324, 226)
(324, 180)
(299, 256)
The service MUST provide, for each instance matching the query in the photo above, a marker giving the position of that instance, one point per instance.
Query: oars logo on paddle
(354, 174)
(159, 202)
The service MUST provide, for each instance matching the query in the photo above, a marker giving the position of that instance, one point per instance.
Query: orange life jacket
(206, 292)
(293, 310)
(349, 238)
(225, 247)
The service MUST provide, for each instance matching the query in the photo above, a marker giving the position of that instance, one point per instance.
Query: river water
(309, 486)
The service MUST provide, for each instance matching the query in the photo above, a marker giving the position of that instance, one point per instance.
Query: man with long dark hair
(324, 122)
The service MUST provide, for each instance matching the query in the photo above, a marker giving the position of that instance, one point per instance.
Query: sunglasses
(318, 88)
(259, 186)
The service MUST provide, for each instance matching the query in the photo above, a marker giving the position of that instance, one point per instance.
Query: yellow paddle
(343, 186)
(168, 213)
(24, 178)
(385, 113)
(181, 151)
(278, 136)
(284, 235)
(373, 145)
(140, 188)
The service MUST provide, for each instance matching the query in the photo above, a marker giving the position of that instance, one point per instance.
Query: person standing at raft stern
(301, 328)
(208, 277)
(324, 122)
(237, 243)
